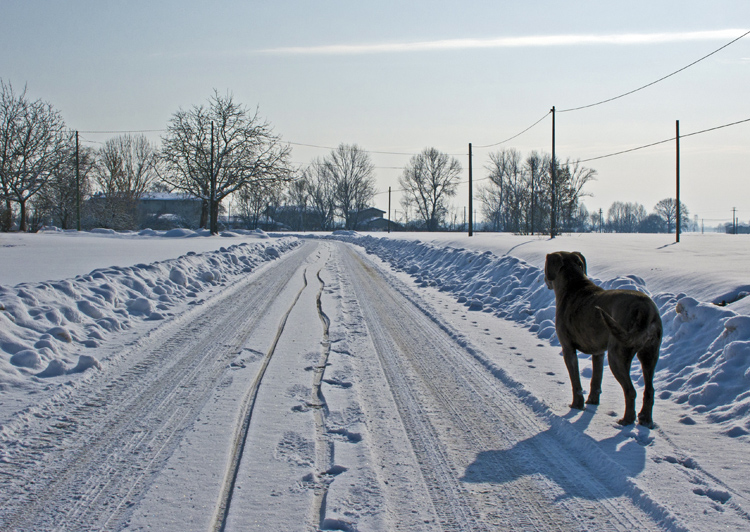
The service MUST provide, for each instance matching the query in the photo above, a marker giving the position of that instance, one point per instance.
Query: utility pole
(600, 220)
(553, 173)
(734, 220)
(78, 188)
(532, 203)
(677, 137)
(471, 194)
(389, 209)
(213, 227)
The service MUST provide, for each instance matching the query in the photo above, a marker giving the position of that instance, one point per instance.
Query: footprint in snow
(688, 463)
(715, 495)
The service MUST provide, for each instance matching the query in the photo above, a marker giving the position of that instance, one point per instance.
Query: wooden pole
(553, 173)
(212, 203)
(389, 209)
(471, 197)
(677, 168)
(78, 189)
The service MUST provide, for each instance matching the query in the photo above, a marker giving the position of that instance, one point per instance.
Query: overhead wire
(653, 82)
(664, 141)
(514, 136)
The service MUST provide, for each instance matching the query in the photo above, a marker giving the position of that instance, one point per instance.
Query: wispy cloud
(508, 42)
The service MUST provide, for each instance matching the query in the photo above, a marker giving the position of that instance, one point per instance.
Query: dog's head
(562, 261)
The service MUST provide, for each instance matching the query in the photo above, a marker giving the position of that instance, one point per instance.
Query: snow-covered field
(700, 286)
(99, 328)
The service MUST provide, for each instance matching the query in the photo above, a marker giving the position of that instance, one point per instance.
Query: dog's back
(631, 317)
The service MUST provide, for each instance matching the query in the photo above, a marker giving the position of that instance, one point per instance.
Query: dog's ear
(552, 265)
(580, 257)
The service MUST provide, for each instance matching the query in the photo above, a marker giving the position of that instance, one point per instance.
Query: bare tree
(59, 199)
(351, 174)
(319, 185)
(241, 152)
(32, 147)
(126, 168)
(256, 201)
(503, 197)
(625, 217)
(571, 178)
(537, 168)
(518, 197)
(666, 209)
(297, 200)
(429, 179)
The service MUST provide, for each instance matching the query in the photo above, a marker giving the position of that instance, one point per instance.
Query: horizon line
(531, 41)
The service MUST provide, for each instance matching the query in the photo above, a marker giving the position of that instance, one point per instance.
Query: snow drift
(705, 354)
(44, 327)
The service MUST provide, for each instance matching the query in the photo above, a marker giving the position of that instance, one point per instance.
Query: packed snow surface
(68, 299)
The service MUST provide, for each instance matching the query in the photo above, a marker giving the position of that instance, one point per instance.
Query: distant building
(295, 218)
(371, 219)
(157, 209)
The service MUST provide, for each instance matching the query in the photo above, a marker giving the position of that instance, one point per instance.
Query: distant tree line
(518, 196)
(624, 217)
(210, 152)
(223, 153)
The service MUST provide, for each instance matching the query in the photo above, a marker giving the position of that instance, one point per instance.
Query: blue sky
(402, 76)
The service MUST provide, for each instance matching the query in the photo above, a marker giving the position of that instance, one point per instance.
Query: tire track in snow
(323, 455)
(323, 443)
(455, 412)
(248, 404)
(85, 468)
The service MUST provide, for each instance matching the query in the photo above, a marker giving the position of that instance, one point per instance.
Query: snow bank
(705, 355)
(56, 254)
(45, 326)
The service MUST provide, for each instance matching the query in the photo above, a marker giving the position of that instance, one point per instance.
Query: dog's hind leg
(571, 362)
(596, 379)
(620, 359)
(648, 356)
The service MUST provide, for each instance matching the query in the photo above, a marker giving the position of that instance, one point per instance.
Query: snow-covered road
(324, 391)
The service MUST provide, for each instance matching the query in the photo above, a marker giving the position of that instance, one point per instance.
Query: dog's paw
(592, 401)
(626, 421)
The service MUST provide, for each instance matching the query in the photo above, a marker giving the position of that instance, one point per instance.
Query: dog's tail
(615, 328)
(636, 338)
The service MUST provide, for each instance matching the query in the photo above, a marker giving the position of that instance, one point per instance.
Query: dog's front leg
(571, 362)
(596, 379)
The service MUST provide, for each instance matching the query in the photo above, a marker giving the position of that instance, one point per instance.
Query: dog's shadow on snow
(558, 454)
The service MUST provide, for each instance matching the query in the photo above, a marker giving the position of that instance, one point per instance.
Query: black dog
(593, 320)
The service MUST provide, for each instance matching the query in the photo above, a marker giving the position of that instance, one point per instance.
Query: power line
(516, 135)
(308, 145)
(715, 128)
(627, 151)
(664, 141)
(117, 132)
(94, 132)
(654, 82)
(376, 152)
(509, 138)
(91, 141)
(485, 146)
